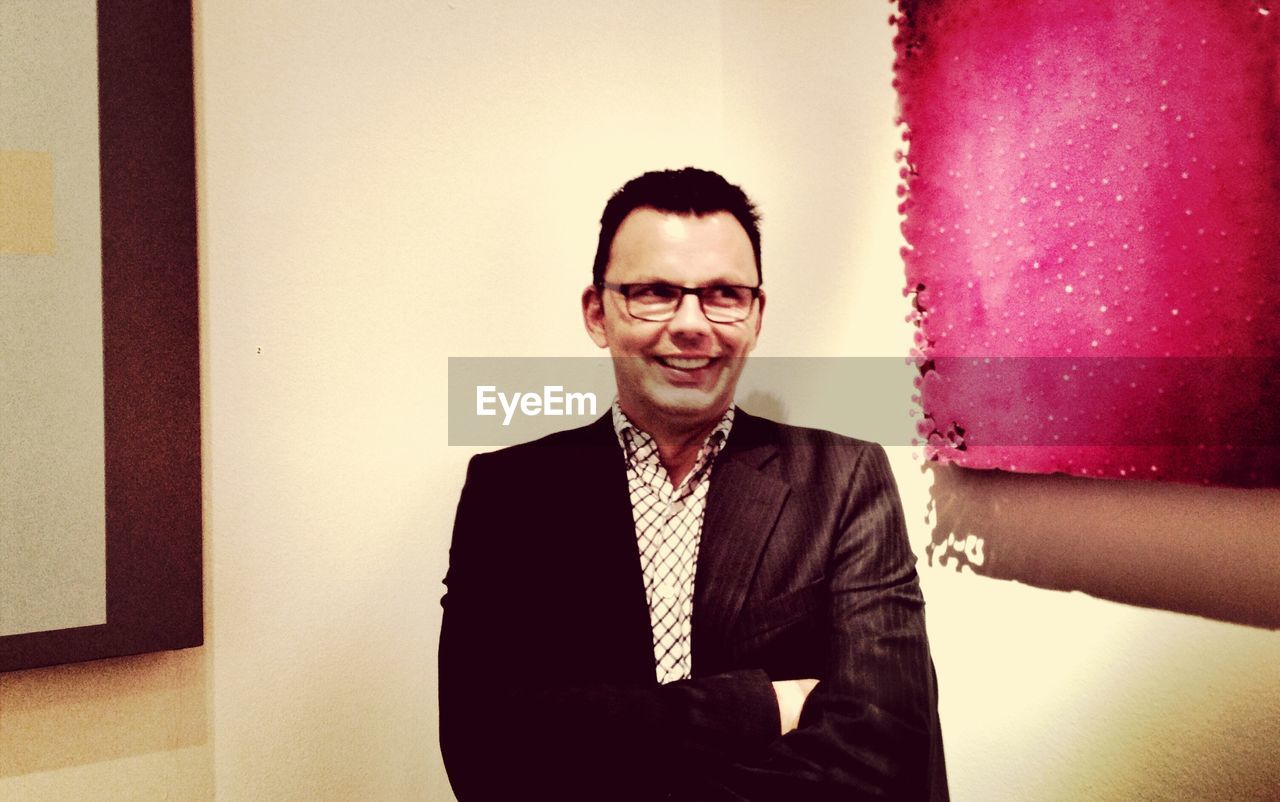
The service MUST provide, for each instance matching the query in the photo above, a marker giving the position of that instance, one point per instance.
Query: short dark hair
(685, 191)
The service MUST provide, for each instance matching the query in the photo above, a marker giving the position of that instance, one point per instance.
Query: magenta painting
(1092, 211)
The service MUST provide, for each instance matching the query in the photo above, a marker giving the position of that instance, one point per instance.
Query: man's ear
(759, 312)
(593, 315)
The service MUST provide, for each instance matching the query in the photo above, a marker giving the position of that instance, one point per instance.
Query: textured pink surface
(1092, 191)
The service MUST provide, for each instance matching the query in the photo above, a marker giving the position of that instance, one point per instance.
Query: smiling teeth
(685, 363)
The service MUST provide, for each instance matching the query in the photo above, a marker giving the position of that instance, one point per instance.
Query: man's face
(680, 373)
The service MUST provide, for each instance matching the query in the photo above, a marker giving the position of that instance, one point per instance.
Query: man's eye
(655, 292)
(724, 294)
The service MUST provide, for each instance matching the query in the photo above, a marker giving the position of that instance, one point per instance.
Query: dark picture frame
(151, 355)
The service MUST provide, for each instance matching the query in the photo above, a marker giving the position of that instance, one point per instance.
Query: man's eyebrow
(723, 281)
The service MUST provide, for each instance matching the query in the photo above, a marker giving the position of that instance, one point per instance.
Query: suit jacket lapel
(601, 506)
(743, 505)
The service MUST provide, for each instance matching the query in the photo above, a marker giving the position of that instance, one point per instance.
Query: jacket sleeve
(869, 730)
(506, 736)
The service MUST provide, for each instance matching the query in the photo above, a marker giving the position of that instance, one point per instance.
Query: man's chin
(688, 406)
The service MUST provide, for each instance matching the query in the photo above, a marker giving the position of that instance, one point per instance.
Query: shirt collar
(632, 437)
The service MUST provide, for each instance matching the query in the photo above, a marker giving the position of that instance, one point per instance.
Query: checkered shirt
(668, 528)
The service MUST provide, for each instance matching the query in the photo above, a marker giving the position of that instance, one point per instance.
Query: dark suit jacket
(547, 687)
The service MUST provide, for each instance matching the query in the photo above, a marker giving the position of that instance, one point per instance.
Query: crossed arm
(868, 728)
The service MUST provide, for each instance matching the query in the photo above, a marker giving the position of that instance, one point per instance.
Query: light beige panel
(52, 492)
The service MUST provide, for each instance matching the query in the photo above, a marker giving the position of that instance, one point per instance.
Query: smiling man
(682, 600)
(679, 308)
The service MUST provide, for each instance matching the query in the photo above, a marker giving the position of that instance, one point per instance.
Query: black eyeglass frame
(625, 291)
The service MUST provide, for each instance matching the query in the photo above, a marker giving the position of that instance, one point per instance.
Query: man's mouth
(684, 362)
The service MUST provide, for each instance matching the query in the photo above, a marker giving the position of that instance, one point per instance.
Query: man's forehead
(683, 248)
(648, 228)
(674, 222)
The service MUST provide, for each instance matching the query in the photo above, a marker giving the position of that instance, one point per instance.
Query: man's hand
(791, 695)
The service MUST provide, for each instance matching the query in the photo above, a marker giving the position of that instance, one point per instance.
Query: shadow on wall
(1208, 551)
(86, 713)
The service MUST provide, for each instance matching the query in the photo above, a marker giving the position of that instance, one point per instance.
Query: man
(681, 600)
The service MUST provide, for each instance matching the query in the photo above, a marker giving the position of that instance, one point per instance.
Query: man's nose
(689, 318)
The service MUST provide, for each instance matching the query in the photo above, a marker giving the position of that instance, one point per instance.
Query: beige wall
(378, 180)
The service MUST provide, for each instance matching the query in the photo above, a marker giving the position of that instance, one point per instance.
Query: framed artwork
(1091, 198)
(100, 492)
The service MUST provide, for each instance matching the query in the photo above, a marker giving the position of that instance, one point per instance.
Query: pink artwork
(1092, 211)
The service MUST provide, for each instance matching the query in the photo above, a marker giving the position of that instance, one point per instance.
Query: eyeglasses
(721, 303)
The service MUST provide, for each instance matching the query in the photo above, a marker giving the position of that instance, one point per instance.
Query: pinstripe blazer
(547, 685)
